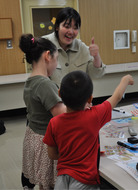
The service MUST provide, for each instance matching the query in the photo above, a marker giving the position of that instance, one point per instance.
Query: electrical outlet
(133, 48)
(9, 44)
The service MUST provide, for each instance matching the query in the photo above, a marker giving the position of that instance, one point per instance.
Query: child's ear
(47, 55)
(59, 93)
(90, 99)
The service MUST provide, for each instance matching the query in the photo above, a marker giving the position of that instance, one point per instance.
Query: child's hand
(88, 106)
(128, 79)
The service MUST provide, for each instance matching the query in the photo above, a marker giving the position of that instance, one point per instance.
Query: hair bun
(26, 42)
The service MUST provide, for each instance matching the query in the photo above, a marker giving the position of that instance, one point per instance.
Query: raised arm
(119, 91)
(94, 51)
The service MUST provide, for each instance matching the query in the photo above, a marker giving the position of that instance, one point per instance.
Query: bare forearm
(53, 156)
(97, 61)
(119, 91)
(53, 153)
(58, 109)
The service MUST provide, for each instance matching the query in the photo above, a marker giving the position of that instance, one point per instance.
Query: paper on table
(122, 122)
(130, 168)
(132, 109)
(118, 115)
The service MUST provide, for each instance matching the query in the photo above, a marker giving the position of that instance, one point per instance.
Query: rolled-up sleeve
(95, 72)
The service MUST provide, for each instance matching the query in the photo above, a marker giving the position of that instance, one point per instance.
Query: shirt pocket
(83, 62)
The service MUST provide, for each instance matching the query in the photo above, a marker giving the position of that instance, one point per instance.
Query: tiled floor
(11, 153)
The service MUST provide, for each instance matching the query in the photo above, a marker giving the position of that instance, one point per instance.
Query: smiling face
(67, 32)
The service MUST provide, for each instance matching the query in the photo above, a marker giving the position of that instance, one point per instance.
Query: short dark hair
(76, 88)
(34, 47)
(65, 14)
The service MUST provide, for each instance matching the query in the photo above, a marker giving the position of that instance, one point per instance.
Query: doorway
(39, 16)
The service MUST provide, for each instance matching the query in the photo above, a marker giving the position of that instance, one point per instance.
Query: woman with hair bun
(42, 102)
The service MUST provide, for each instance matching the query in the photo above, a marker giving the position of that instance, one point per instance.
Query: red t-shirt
(76, 135)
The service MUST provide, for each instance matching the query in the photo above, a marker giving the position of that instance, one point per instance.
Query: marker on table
(121, 111)
(125, 145)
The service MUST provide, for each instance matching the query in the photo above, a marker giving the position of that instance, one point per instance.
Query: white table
(112, 173)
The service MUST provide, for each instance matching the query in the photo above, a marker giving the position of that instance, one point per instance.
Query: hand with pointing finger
(94, 51)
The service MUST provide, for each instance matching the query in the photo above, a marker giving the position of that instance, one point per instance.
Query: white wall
(11, 91)
(11, 94)
(106, 85)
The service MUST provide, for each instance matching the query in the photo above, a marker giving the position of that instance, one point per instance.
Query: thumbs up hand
(93, 48)
(94, 51)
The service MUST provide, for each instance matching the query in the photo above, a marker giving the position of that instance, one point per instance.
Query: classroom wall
(11, 96)
(11, 60)
(94, 14)
(100, 18)
(106, 85)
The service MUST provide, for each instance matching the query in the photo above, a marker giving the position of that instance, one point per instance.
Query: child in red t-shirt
(72, 137)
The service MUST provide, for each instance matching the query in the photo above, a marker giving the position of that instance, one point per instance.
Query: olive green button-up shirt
(77, 57)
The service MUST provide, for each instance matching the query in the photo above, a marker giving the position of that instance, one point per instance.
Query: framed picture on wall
(121, 39)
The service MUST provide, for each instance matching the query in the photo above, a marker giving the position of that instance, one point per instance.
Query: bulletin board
(100, 18)
(6, 28)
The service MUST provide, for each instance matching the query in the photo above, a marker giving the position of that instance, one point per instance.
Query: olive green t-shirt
(40, 95)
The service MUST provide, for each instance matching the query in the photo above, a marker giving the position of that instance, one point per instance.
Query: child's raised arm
(119, 91)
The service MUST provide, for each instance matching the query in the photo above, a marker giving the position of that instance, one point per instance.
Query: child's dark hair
(67, 14)
(34, 47)
(76, 88)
